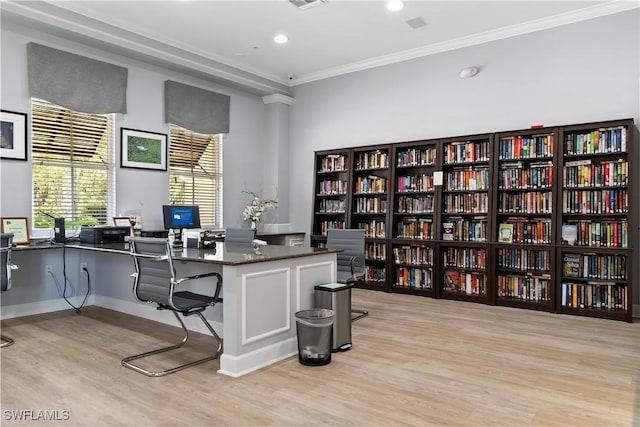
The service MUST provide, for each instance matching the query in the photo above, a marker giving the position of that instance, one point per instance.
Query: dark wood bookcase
(465, 206)
(537, 219)
(331, 193)
(526, 199)
(414, 217)
(596, 225)
(370, 203)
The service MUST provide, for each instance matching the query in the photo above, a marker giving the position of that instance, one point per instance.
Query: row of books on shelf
(466, 152)
(514, 175)
(525, 147)
(582, 173)
(371, 184)
(408, 184)
(373, 228)
(370, 205)
(595, 266)
(417, 157)
(372, 160)
(375, 251)
(331, 206)
(329, 187)
(465, 229)
(604, 140)
(534, 288)
(375, 274)
(537, 231)
(534, 202)
(327, 225)
(467, 179)
(416, 204)
(605, 233)
(415, 228)
(413, 254)
(604, 296)
(465, 282)
(420, 278)
(524, 259)
(333, 163)
(471, 258)
(595, 201)
(469, 203)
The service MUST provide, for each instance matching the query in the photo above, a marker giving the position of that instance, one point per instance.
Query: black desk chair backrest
(6, 243)
(242, 236)
(351, 261)
(155, 281)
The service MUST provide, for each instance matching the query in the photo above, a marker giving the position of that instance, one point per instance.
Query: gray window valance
(76, 82)
(196, 109)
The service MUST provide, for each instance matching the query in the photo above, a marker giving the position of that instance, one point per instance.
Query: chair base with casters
(155, 282)
(359, 314)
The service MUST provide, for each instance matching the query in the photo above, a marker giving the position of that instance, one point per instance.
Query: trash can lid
(332, 287)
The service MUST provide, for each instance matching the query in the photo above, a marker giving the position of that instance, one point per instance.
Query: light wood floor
(415, 361)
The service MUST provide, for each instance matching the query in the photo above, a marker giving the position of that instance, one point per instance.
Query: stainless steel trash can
(314, 336)
(337, 297)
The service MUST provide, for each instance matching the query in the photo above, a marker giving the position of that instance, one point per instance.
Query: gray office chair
(155, 282)
(239, 236)
(6, 242)
(351, 265)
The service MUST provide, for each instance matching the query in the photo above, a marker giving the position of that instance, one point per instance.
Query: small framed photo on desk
(123, 221)
(19, 226)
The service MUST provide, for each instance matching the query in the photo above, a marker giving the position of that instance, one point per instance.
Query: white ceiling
(333, 38)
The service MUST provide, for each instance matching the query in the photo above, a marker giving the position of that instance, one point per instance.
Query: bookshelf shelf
(491, 218)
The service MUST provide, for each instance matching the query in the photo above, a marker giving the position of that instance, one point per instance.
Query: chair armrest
(151, 257)
(357, 267)
(216, 296)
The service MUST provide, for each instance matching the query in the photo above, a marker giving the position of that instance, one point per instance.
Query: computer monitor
(181, 216)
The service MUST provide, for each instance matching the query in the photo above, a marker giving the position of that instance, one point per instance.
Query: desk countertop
(226, 254)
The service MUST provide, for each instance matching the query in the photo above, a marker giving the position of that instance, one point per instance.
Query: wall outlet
(48, 268)
(83, 265)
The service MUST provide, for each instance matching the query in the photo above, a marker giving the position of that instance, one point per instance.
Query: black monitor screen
(177, 216)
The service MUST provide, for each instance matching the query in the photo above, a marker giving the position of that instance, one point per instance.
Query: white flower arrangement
(257, 207)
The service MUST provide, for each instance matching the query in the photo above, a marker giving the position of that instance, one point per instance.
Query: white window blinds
(195, 165)
(73, 166)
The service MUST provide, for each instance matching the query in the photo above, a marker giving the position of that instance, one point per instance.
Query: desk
(262, 289)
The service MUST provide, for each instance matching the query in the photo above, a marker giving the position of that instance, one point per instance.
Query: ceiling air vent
(306, 4)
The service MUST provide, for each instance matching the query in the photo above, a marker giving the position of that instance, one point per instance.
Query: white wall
(583, 72)
(136, 189)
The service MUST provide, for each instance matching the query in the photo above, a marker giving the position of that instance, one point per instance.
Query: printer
(104, 234)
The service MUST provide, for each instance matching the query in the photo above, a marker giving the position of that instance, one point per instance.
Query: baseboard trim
(41, 307)
(237, 366)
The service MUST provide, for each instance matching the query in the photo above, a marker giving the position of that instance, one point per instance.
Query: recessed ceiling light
(395, 5)
(281, 38)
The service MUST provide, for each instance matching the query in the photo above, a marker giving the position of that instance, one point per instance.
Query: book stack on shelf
(534, 218)
(596, 220)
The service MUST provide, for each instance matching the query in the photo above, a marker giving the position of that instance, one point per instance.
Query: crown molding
(597, 11)
(278, 97)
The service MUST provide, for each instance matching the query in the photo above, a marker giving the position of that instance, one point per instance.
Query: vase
(254, 225)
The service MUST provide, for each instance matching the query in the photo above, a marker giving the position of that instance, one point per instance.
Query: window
(195, 166)
(73, 166)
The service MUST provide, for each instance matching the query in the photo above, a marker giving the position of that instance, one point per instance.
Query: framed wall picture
(143, 150)
(19, 226)
(13, 135)
(123, 221)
